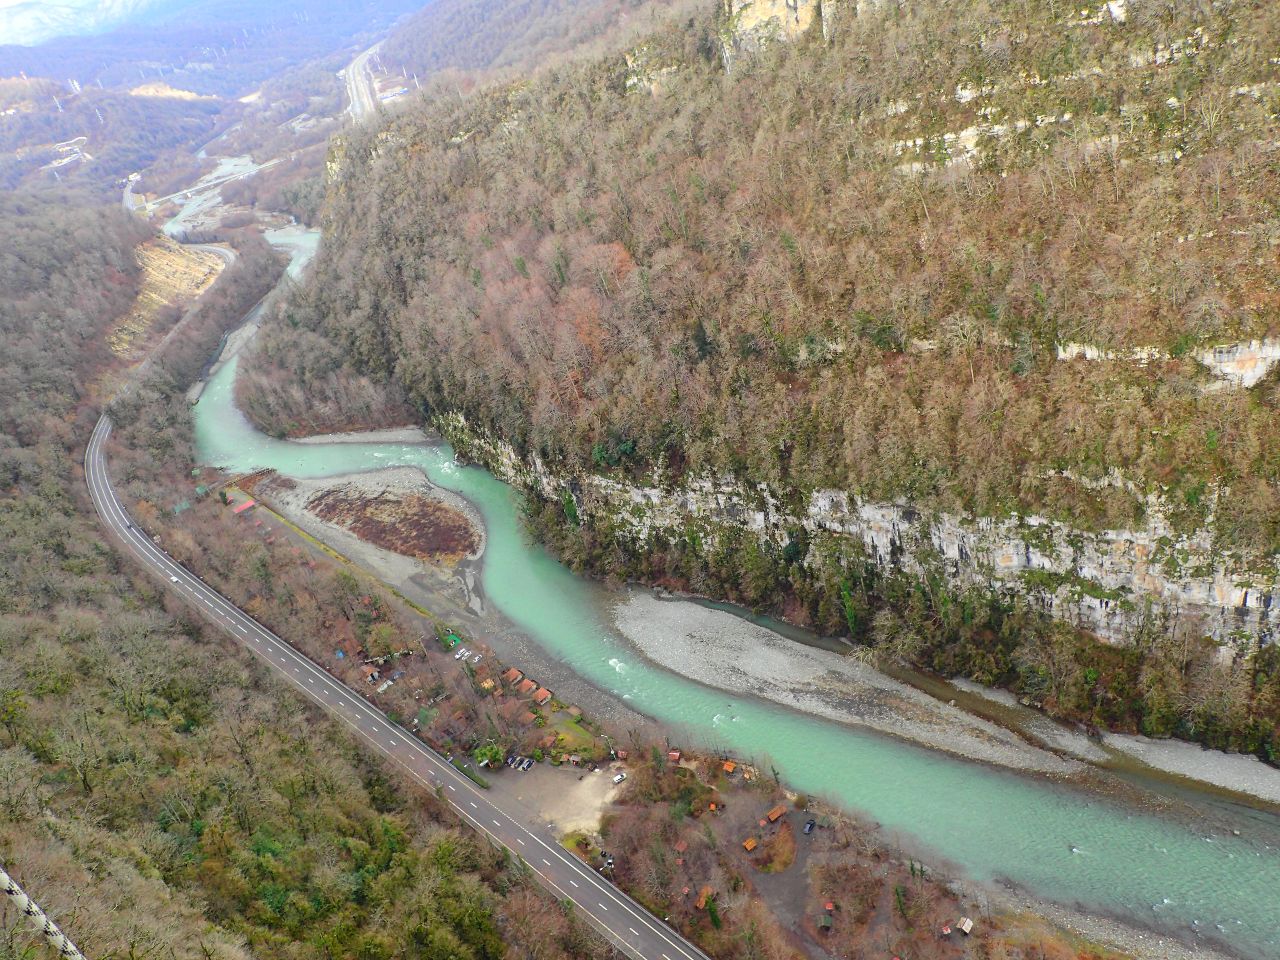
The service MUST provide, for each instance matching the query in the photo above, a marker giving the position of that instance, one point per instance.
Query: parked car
(513, 760)
(477, 658)
(809, 825)
(619, 777)
(462, 652)
(527, 765)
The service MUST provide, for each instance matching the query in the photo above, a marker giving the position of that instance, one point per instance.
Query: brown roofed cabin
(513, 676)
(750, 844)
(776, 814)
(542, 696)
(526, 686)
(705, 894)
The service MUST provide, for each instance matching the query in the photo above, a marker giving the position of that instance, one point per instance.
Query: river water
(1063, 844)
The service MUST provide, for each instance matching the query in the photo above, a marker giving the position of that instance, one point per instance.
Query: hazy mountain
(29, 22)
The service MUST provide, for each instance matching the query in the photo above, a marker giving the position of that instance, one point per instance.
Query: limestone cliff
(750, 25)
(1100, 581)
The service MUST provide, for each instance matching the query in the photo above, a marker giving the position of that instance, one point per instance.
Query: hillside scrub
(466, 42)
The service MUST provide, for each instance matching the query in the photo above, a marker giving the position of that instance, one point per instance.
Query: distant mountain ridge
(28, 22)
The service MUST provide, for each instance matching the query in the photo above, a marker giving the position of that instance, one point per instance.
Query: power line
(55, 937)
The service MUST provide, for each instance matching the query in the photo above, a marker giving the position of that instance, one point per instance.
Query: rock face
(1242, 364)
(1100, 581)
(750, 25)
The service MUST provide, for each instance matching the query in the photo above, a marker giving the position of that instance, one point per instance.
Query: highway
(635, 931)
(362, 94)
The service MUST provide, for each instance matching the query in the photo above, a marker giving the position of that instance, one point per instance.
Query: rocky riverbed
(729, 653)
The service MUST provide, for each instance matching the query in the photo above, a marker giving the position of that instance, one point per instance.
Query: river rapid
(1213, 881)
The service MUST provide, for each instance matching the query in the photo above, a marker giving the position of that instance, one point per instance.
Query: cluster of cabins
(770, 818)
(519, 691)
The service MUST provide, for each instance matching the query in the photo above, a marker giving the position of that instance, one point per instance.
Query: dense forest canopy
(475, 36)
(792, 274)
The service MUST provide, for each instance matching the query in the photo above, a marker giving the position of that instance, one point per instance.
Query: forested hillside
(518, 36)
(160, 796)
(967, 258)
(787, 274)
(122, 133)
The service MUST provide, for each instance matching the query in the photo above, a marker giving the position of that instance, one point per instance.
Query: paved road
(362, 94)
(628, 925)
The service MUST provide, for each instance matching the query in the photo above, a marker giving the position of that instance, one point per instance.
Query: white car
(461, 653)
(619, 778)
(173, 579)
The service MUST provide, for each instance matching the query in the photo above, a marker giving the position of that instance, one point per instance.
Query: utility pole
(55, 937)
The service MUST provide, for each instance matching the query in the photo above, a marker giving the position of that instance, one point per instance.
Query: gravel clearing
(452, 592)
(389, 435)
(1035, 723)
(726, 652)
(1232, 771)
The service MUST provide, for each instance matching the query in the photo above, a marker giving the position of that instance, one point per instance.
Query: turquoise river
(1062, 844)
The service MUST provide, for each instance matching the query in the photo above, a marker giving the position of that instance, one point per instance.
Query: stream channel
(1192, 881)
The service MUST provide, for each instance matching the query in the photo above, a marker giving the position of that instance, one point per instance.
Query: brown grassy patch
(408, 524)
(780, 851)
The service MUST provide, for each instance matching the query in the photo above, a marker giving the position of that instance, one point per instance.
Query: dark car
(527, 765)
(809, 825)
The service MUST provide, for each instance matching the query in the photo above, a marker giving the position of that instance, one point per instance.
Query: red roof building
(542, 696)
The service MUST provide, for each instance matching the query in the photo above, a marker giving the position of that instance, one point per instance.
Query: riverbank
(451, 592)
(1245, 775)
(731, 654)
(1231, 771)
(387, 435)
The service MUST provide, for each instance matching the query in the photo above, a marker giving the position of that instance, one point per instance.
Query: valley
(673, 479)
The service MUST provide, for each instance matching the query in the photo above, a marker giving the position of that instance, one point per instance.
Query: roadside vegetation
(161, 795)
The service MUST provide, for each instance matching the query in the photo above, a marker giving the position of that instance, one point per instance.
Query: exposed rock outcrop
(1101, 581)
